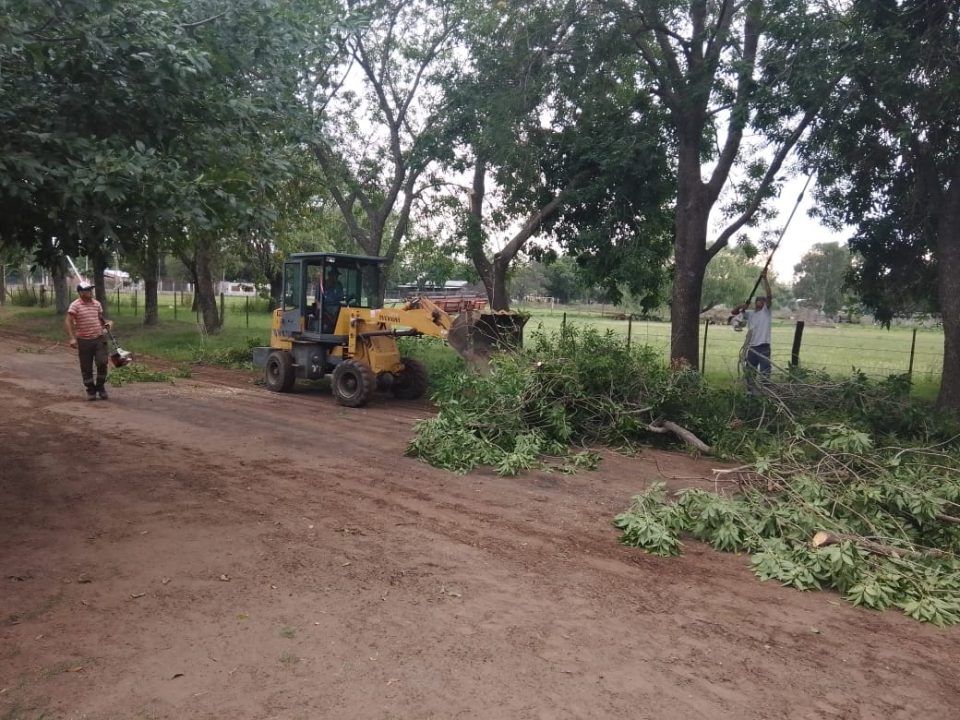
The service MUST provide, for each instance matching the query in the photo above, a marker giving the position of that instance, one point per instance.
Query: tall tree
(559, 140)
(716, 69)
(889, 164)
(821, 274)
(117, 114)
(378, 103)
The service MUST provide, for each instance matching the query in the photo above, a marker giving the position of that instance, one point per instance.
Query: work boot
(91, 392)
(102, 392)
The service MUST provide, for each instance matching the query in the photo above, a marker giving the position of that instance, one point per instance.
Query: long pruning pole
(782, 233)
(746, 341)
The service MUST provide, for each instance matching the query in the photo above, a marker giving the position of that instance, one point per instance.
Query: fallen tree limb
(823, 538)
(688, 437)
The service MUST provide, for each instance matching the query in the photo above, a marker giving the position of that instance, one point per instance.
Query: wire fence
(838, 350)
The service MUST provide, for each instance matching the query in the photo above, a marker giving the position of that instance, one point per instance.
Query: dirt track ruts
(223, 552)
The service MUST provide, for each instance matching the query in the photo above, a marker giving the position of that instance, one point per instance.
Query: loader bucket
(476, 335)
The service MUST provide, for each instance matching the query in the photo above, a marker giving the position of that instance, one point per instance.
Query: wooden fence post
(629, 329)
(795, 351)
(703, 358)
(913, 347)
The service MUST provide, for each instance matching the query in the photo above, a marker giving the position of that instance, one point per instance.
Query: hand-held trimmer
(119, 357)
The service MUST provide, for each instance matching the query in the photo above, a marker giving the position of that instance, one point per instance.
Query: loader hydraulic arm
(421, 315)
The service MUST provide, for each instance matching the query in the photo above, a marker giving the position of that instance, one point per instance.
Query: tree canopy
(821, 276)
(889, 162)
(637, 138)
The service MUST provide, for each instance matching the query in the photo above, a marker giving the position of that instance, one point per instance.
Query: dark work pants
(93, 352)
(758, 357)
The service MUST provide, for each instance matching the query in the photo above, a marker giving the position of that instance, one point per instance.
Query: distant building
(450, 287)
(234, 287)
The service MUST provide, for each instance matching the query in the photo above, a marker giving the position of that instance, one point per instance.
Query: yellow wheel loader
(330, 322)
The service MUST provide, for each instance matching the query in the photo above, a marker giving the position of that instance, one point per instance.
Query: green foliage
(135, 373)
(651, 523)
(821, 274)
(894, 509)
(239, 357)
(730, 277)
(576, 387)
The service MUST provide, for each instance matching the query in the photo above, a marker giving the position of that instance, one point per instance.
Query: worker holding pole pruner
(755, 353)
(759, 322)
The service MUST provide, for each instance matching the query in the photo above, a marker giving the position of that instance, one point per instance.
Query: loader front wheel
(411, 382)
(278, 373)
(353, 383)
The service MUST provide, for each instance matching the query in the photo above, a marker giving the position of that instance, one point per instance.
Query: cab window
(291, 286)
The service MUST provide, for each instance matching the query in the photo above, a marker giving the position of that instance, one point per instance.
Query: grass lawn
(178, 339)
(838, 350)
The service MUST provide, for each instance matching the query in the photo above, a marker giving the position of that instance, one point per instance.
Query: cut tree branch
(824, 538)
(666, 426)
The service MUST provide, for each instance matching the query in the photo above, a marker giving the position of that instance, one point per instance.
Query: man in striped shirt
(85, 327)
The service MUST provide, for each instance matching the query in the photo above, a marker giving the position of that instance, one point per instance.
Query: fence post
(134, 302)
(174, 300)
(629, 329)
(247, 309)
(563, 323)
(913, 347)
(221, 308)
(118, 300)
(795, 351)
(703, 358)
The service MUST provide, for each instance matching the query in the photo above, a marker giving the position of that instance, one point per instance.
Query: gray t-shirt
(758, 323)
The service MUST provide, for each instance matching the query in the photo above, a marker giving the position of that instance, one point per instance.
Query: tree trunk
(499, 299)
(190, 263)
(948, 264)
(474, 230)
(276, 287)
(99, 263)
(206, 295)
(690, 260)
(61, 289)
(151, 281)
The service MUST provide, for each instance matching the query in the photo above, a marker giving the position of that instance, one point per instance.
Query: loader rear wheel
(353, 383)
(411, 382)
(278, 373)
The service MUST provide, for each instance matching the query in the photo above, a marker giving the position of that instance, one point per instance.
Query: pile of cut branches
(881, 525)
(570, 389)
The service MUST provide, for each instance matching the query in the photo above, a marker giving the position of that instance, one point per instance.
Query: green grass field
(838, 350)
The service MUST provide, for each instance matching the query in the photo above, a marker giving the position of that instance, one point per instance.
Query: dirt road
(218, 551)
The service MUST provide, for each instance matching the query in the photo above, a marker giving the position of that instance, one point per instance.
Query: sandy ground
(207, 549)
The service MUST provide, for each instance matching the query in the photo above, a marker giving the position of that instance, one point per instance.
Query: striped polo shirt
(87, 316)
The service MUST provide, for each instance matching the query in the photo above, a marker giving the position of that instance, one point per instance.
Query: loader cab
(316, 286)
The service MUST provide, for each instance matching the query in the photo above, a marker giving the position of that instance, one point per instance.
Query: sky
(803, 231)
